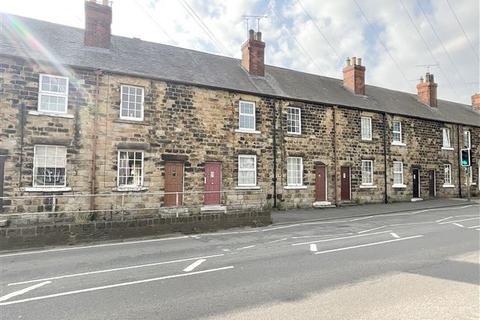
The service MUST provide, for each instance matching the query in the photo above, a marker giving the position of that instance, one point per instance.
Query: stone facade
(196, 125)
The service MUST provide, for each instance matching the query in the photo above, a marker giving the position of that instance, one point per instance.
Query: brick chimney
(354, 76)
(253, 54)
(476, 102)
(427, 90)
(98, 21)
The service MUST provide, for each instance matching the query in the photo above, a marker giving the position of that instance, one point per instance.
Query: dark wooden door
(213, 182)
(345, 183)
(431, 183)
(2, 178)
(320, 183)
(173, 183)
(416, 183)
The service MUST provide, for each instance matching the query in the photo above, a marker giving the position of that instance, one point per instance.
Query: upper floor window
(466, 139)
(397, 173)
(367, 172)
(246, 119)
(294, 120)
(447, 139)
(397, 131)
(53, 94)
(131, 103)
(294, 171)
(130, 168)
(366, 128)
(49, 164)
(247, 170)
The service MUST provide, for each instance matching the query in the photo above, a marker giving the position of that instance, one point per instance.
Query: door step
(323, 204)
(416, 199)
(213, 208)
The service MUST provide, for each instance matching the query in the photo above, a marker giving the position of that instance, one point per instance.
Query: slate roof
(159, 61)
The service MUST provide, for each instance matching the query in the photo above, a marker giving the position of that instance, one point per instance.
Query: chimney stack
(253, 54)
(98, 21)
(427, 90)
(354, 76)
(476, 102)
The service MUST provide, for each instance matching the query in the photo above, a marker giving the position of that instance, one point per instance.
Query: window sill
(130, 121)
(448, 186)
(294, 187)
(247, 131)
(48, 189)
(447, 148)
(400, 144)
(51, 114)
(366, 140)
(130, 189)
(295, 134)
(247, 188)
(399, 186)
(366, 186)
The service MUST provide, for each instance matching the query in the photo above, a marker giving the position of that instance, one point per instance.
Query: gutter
(385, 156)
(459, 156)
(93, 181)
(335, 155)
(274, 147)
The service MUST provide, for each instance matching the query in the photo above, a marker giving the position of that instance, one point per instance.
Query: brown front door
(345, 183)
(173, 183)
(416, 183)
(2, 177)
(213, 182)
(432, 184)
(320, 183)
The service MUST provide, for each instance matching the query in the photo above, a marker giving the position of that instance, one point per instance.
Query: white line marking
(194, 265)
(278, 240)
(445, 222)
(474, 227)
(368, 244)
(458, 225)
(443, 219)
(122, 284)
(341, 238)
(313, 247)
(20, 292)
(91, 246)
(395, 235)
(362, 218)
(364, 231)
(323, 235)
(247, 247)
(114, 269)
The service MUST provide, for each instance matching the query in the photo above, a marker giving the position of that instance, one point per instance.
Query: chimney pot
(259, 36)
(354, 76)
(251, 34)
(253, 54)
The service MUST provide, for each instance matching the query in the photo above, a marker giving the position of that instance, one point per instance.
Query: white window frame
(447, 139)
(469, 139)
(35, 155)
(291, 119)
(254, 115)
(142, 103)
(42, 93)
(397, 184)
(289, 183)
(447, 183)
(366, 135)
(399, 132)
(130, 186)
(363, 173)
(248, 156)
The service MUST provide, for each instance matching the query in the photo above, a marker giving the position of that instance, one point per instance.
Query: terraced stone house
(152, 126)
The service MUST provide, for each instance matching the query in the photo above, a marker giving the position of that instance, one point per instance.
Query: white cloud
(341, 22)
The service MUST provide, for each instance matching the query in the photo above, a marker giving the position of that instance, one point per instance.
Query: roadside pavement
(353, 211)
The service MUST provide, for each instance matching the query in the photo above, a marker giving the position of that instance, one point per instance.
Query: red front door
(320, 183)
(213, 182)
(345, 183)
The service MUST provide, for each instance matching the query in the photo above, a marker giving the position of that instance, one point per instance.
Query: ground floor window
(247, 170)
(130, 168)
(294, 171)
(397, 173)
(49, 166)
(447, 174)
(367, 172)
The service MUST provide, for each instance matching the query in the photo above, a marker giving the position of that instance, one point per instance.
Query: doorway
(173, 183)
(416, 183)
(213, 183)
(432, 183)
(345, 185)
(320, 183)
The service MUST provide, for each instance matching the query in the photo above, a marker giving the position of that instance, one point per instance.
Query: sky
(398, 40)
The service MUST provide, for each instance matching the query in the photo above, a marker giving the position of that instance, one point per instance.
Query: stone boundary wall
(16, 237)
